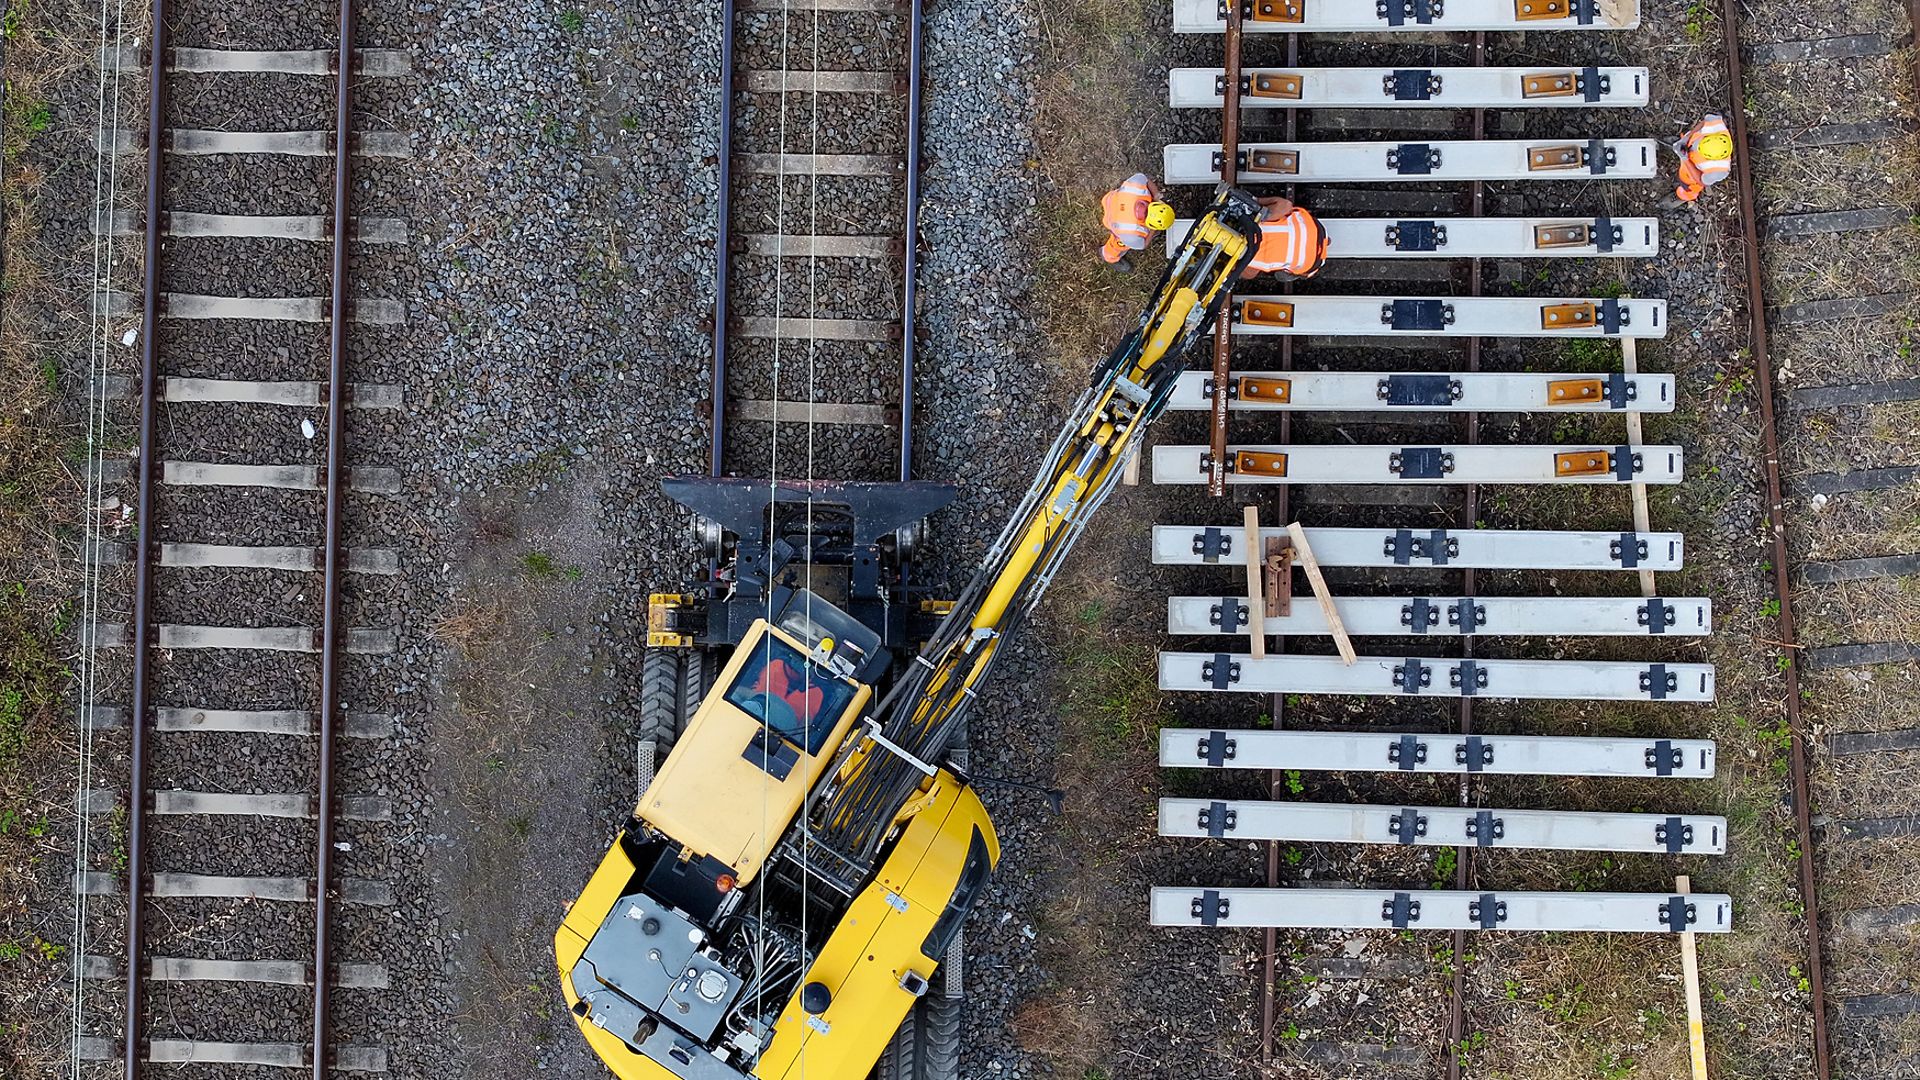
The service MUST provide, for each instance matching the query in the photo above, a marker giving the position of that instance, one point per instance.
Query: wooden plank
(1833, 48)
(1642, 517)
(1877, 652)
(1256, 582)
(1831, 135)
(1303, 554)
(1690, 972)
(1839, 221)
(1874, 742)
(1853, 307)
(1860, 480)
(1830, 573)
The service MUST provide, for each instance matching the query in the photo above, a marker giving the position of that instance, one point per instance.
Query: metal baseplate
(1410, 391)
(1480, 238)
(1394, 162)
(1438, 752)
(1447, 464)
(1454, 616)
(1443, 826)
(1326, 16)
(1476, 549)
(1401, 88)
(1437, 676)
(1435, 909)
(1451, 316)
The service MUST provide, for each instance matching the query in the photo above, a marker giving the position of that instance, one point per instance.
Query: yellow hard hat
(1159, 215)
(1717, 146)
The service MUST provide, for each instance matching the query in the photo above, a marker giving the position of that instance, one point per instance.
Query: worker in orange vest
(1706, 157)
(1292, 243)
(1132, 213)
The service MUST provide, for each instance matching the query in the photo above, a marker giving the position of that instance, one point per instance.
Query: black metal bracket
(1417, 236)
(1402, 911)
(1664, 758)
(1674, 834)
(1626, 463)
(1419, 390)
(1212, 544)
(1483, 829)
(1586, 11)
(1466, 616)
(1628, 550)
(1676, 914)
(1420, 463)
(1489, 911)
(1468, 677)
(1475, 753)
(1436, 547)
(1220, 672)
(1412, 676)
(1218, 820)
(1407, 826)
(1597, 157)
(1410, 84)
(1230, 614)
(1424, 314)
(1591, 84)
(1413, 159)
(1210, 907)
(1216, 749)
(1407, 753)
(1419, 616)
(1656, 615)
(1612, 316)
(1657, 682)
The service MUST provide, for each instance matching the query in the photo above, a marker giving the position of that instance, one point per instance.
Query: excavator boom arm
(1107, 425)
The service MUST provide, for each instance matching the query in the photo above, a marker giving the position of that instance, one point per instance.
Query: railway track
(1828, 320)
(251, 620)
(1310, 116)
(816, 266)
(814, 278)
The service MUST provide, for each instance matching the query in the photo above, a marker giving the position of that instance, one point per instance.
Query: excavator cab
(766, 732)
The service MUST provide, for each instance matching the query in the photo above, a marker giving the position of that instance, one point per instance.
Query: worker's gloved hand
(1124, 264)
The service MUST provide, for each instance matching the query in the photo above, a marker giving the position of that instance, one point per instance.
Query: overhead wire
(99, 337)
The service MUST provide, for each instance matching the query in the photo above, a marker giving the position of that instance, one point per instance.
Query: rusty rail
(1463, 868)
(1223, 326)
(141, 693)
(333, 566)
(1276, 780)
(146, 548)
(1784, 634)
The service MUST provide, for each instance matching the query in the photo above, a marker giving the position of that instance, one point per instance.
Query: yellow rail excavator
(800, 864)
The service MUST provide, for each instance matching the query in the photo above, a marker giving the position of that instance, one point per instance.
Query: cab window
(795, 699)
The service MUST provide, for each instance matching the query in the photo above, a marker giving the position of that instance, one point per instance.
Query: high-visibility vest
(1707, 171)
(1124, 211)
(1294, 243)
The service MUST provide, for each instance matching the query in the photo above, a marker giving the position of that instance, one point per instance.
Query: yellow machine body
(882, 944)
(710, 794)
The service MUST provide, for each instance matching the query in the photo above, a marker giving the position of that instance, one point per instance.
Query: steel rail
(723, 209)
(1223, 327)
(915, 51)
(1463, 864)
(1784, 633)
(1276, 706)
(145, 547)
(333, 567)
